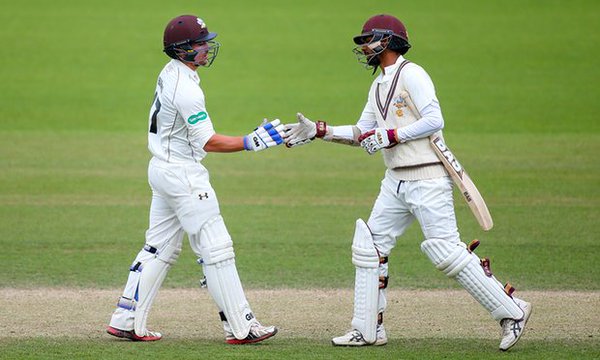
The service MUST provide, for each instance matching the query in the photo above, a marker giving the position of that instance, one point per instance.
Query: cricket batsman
(180, 134)
(415, 186)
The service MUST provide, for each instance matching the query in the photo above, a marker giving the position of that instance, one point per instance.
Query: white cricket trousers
(182, 201)
(401, 202)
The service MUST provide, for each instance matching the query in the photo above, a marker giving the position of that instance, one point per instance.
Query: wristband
(246, 144)
(321, 129)
(391, 134)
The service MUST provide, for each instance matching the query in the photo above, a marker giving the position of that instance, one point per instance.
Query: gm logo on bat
(449, 156)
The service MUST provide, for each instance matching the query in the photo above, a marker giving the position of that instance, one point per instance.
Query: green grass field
(517, 81)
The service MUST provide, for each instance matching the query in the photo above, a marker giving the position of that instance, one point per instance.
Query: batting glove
(374, 140)
(266, 135)
(304, 131)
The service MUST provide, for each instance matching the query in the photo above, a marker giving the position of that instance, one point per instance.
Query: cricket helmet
(182, 32)
(381, 32)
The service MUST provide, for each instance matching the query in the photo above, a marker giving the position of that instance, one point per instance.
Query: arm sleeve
(419, 86)
(431, 121)
(193, 111)
(344, 132)
(422, 93)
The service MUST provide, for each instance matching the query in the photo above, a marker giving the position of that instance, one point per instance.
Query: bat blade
(463, 182)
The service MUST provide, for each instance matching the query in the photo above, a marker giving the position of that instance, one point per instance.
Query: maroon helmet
(182, 32)
(375, 31)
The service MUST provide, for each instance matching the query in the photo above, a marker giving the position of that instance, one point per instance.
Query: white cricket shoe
(513, 329)
(257, 333)
(355, 338)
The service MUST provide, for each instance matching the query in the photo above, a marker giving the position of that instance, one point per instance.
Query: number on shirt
(156, 106)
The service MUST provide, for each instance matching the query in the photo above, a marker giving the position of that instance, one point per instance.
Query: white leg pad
(122, 318)
(455, 261)
(366, 284)
(222, 278)
(124, 315)
(152, 275)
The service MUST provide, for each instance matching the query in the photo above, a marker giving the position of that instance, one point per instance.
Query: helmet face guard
(371, 45)
(204, 56)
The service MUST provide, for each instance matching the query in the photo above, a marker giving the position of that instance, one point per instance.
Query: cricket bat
(463, 182)
(458, 174)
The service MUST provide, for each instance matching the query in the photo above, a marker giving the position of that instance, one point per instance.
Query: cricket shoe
(131, 335)
(257, 333)
(513, 329)
(355, 338)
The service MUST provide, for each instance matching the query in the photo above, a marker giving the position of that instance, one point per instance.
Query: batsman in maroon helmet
(401, 113)
(180, 136)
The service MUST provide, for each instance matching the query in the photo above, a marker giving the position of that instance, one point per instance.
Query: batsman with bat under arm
(402, 111)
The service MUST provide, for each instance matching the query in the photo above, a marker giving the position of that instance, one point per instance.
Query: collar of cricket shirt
(390, 71)
(187, 71)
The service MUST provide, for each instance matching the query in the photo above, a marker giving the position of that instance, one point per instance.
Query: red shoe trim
(250, 341)
(130, 334)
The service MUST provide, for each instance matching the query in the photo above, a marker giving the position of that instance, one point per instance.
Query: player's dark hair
(398, 45)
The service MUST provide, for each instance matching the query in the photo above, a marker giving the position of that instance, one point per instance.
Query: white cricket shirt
(179, 125)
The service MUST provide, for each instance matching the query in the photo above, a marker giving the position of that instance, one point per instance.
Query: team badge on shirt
(202, 115)
(399, 103)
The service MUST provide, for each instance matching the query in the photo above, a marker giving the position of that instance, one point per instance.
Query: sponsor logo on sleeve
(202, 115)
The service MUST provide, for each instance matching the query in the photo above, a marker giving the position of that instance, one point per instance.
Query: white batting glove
(374, 140)
(302, 132)
(266, 135)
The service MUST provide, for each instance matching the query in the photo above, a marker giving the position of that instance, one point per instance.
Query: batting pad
(151, 278)
(366, 283)
(455, 261)
(222, 278)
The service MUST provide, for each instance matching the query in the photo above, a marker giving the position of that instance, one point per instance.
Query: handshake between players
(305, 131)
(272, 133)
